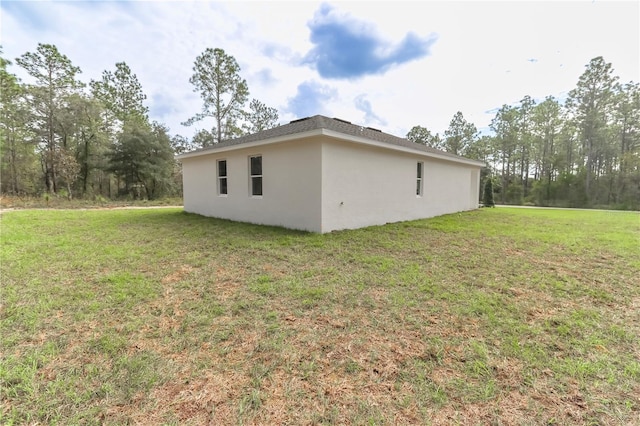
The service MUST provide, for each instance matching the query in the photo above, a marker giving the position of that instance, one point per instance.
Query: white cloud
(480, 60)
(370, 117)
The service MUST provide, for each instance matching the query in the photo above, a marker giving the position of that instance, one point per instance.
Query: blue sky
(389, 65)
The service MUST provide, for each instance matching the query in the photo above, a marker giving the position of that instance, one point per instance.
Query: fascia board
(332, 134)
(285, 138)
(384, 145)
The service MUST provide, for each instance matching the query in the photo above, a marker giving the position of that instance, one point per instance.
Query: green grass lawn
(496, 316)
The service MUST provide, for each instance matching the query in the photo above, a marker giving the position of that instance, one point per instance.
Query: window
(255, 175)
(222, 177)
(420, 172)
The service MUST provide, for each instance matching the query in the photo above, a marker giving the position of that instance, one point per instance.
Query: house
(323, 174)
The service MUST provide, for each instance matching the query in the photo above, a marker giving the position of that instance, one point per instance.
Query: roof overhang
(334, 135)
(234, 147)
(400, 148)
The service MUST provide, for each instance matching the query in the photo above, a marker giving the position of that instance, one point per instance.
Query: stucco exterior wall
(363, 186)
(322, 183)
(291, 185)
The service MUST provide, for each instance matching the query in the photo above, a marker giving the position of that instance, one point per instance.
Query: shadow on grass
(171, 220)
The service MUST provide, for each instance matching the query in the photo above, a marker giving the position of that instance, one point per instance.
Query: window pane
(256, 166)
(256, 186)
(418, 187)
(419, 170)
(222, 168)
(223, 186)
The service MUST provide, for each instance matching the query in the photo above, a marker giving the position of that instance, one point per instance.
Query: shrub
(487, 199)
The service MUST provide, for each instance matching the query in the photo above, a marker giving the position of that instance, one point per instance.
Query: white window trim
(218, 177)
(420, 180)
(251, 176)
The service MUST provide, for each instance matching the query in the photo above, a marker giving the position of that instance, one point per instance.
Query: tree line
(583, 152)
(61, 136)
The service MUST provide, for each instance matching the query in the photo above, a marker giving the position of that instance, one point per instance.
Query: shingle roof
(335, 124)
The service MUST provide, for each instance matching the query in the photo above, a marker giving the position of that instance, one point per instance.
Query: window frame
(419, 179)
(220, 177)
(255, 176)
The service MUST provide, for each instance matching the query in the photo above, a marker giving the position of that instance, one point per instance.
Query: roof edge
(213, 149)
(445, 156)
(335, 128)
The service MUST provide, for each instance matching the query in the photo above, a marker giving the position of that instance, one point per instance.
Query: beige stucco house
(323, 174)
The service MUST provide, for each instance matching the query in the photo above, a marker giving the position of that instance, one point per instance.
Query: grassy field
(59, 202)
(497, 316)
